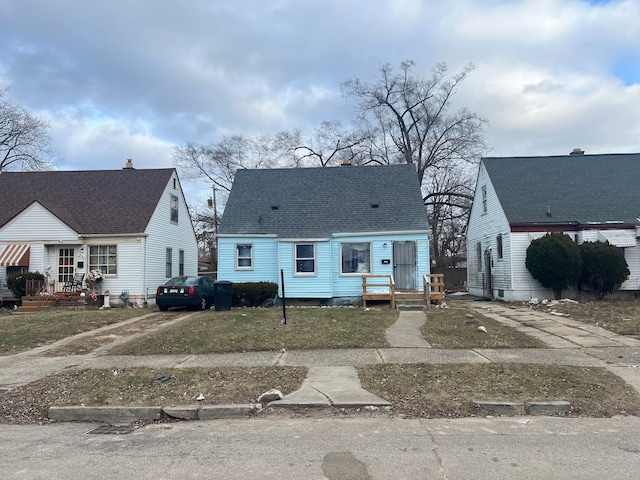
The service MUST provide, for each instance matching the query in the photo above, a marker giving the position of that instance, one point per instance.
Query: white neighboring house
(518, 199)
(132, 224)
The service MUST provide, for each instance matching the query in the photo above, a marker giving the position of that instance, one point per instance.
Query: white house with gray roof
(325, 228)
(518, 199)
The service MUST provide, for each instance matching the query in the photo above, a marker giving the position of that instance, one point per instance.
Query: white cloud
(130, 79)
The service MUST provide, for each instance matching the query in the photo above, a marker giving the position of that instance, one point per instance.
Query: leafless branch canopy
(25, 144)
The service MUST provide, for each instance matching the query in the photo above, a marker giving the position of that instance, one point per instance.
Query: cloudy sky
(125, 79)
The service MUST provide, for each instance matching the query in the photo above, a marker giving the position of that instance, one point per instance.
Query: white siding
(36, 224)
(484, 227)
(162, 234)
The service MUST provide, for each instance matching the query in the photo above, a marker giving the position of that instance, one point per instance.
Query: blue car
(192, 292)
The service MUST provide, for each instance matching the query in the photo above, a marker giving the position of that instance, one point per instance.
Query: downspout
(144, 270)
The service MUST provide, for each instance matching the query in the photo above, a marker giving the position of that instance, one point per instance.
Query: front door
(404, 265)
(66, 264)
(487, 272)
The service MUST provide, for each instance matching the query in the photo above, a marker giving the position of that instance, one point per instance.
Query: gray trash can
(223, 295)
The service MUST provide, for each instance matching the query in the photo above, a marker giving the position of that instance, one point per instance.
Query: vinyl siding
(271, 255)
(484, 227)
(345, 285)
(306, 286)
(265, 259)
(36, 224)
(162, 234)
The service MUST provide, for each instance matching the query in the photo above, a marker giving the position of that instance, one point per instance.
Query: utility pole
(214, 246)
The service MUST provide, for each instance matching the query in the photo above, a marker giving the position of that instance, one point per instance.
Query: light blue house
(325, 228)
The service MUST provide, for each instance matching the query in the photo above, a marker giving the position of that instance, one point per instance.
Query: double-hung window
(244, 256)
(169, 263)
(355, 257)
(305, 260)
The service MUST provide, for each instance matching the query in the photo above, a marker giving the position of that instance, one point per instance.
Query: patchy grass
(259, 329)
(89, 343)
(621, 316)
(457, 327)
(139, 387)
(430, 391)
(23, 332)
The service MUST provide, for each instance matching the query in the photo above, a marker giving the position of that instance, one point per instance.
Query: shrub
(253, 294)
(603, 267)
(18, 283)
(554, 260)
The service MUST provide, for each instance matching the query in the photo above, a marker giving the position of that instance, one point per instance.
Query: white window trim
(356, 274)
(237, 266)
(93, 267)
(295, 260)
(174, 199)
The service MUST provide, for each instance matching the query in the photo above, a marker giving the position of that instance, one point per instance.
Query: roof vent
(274, 207)
(374, 205)
(129, 164)
(577, 151)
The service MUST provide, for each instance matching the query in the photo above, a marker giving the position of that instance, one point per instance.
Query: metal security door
(404, 265)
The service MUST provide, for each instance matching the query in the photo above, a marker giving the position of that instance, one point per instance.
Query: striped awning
(15, 255)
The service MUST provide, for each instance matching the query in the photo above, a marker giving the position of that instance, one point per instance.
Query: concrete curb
(118, 414)
(511, 409)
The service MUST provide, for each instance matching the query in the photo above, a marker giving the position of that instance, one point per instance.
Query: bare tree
(25, 144)
(329, 145)
(219, 161)
(410, 121)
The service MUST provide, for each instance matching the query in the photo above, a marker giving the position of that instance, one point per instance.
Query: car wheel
(163, 308)
(203, 303)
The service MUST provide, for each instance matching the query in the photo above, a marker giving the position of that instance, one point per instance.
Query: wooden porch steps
(382, 288)
(35, 303)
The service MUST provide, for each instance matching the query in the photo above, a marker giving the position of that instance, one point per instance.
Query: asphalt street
(355, 448)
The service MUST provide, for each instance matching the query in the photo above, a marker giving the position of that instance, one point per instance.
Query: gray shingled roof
(316, 202)
(576, 188)
(90, 202)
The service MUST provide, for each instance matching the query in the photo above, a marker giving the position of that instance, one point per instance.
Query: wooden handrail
(379, 281)
(433, 284)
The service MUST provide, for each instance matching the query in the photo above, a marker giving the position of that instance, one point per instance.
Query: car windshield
(183, 281)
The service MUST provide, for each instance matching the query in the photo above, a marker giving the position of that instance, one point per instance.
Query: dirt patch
(89, 343)
(143, 387)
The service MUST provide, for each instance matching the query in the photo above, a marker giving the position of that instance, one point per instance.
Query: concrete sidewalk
(332, 379)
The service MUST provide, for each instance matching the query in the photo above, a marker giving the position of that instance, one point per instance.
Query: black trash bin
(223, 295)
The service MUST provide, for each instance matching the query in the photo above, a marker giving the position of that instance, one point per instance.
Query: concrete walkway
(332, 379)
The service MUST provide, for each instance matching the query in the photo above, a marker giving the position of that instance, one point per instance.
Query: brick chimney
(129, 164)
(577, 151)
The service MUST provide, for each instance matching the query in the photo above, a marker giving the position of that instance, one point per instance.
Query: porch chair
(74, 284)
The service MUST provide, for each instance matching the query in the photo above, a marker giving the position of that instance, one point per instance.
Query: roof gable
(582, 189)
(317, 202)
(91, 201)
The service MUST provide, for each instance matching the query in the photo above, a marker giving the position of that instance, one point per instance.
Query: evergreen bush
(554, 260)
(603, 267)
(253, 294)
